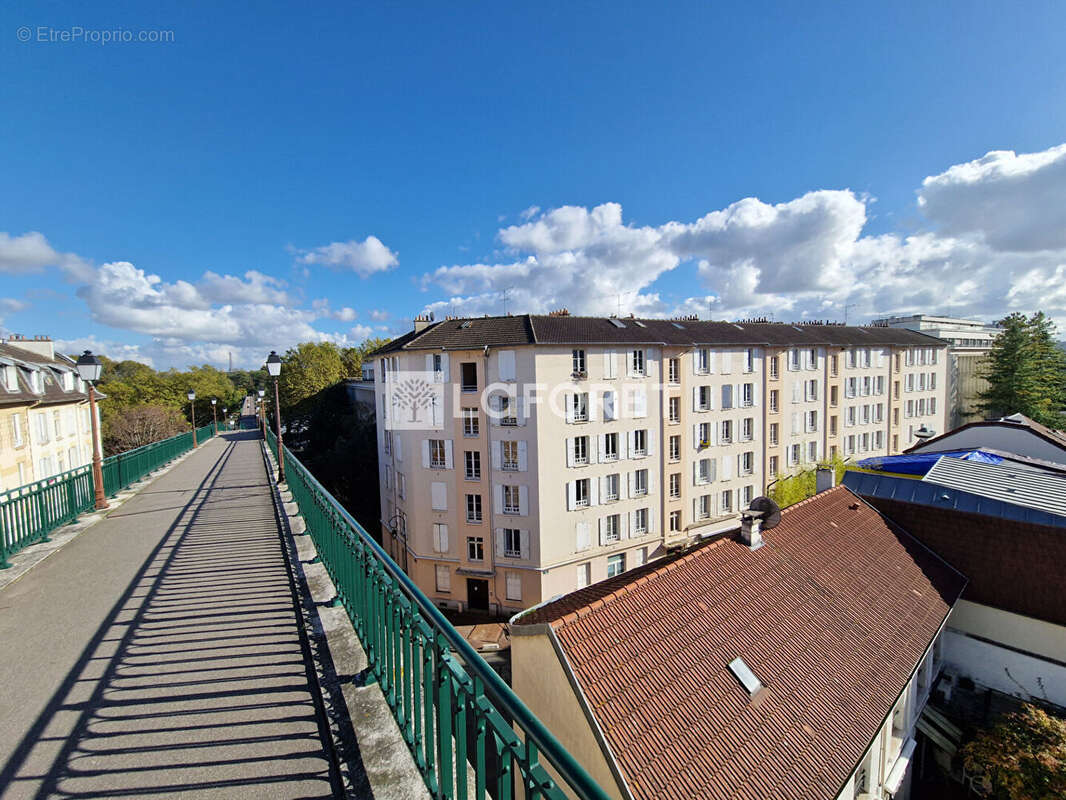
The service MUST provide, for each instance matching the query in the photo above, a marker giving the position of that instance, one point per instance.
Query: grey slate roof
(1022, 486)
(529, 329)
(51, 370)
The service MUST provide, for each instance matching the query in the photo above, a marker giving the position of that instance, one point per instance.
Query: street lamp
(225, 411)
(214, 416)
(273, 364)
(89, 369)
(262, 413)
(192, 407)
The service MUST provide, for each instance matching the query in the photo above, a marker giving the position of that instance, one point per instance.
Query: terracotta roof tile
(832, 620)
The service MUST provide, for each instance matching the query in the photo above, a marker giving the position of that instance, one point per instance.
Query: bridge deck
(160, 653)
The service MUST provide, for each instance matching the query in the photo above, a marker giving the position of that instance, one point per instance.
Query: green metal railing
(456, 714)
(29, 514)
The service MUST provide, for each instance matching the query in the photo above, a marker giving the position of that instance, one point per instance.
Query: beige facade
(16, 459)
(611, 453)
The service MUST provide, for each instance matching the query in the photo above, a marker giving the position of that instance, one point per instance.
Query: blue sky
(750, 158)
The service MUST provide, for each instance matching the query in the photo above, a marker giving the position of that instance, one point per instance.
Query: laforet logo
(414, 399)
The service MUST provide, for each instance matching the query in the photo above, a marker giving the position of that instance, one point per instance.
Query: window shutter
(602, 531)
(507, 368)
(609, 364)
(632, 522)
(571, 454)
(630, 443)
(594, 493)
(623, 526)
(523, 500)
(727, 468)
(695, 355)
(649, 440)
(523, 460)
(711, 355)
(629, 363)
(712, 473)
(695, 398)
(571, 496)
(494, 409)
(444, 367)
(429, 362)
(695, 508)
(651, 521)
(448, 453)
(438, 414)
(497, 455)
(521, 410)
(497, 499)
(651, 482)
(755, 395)
(714, 431)
(594, 407)
(583, 538)
(501, 543)
(443, 538)
(439, 496)
(640, 403)
(425, 453)
(397, 448)
(629, 485)
(796, 389)
(696, 436)
(523, 540)
(695, 473)
(601, 446)
(568, 398)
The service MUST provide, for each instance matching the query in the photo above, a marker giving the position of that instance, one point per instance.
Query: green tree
(308, 369)
(791, 490)
(1026, 371)
(1023, 757)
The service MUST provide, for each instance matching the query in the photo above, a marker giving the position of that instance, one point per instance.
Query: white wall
(1006, 670)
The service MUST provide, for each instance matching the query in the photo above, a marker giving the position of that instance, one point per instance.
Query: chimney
(825, 479)
(38, 345)
(422, 322)
(751, 528)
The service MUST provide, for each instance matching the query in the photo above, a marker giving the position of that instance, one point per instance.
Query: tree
(1026, 371)
(1023, 757)
(791, 490)
(308, 369)
(140, 425)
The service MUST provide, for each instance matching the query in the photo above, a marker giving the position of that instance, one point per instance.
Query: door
(477, 594)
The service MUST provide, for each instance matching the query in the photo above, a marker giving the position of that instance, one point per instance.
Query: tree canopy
(1026, 371)
(1023, 757)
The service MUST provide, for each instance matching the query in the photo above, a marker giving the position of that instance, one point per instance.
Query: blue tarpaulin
(921, 463)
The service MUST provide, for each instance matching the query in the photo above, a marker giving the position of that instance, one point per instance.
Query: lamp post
(224, 412)
(192, 407)
(89, 369)
(262, 411)
(273, 364)
(214, 415)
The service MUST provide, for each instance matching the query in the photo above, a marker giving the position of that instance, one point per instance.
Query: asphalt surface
(159, 654)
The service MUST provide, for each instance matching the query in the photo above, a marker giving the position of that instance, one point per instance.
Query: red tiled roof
(832, 615)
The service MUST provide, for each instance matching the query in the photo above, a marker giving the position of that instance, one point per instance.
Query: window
(812, 358)
(512, 501)
(774, 367)
(611, 530)
(580, 407)
(514, 586)
(675, 448)
(675, 485)
(812, 421)
(637, 362)
(703, 361)
(438, 457)
(703, 507)
(812, 450)
(578, 360)
(748, 494)
(616, 564)
(610, 485)
(774, 399)
(703, 471)
(57, 423)
(675, 521)
(747, 395)
(473, 508)
(879, 440)
(11, 378)
(793, 359)
(473, 465)
(581, 492)
(509, 456)
(833, 425)
(850, 387)
(640, 482)
(834, 392)
(810, 392)
(475, 548)
(444, 578)
(910, 409)
(388, 442)
(584, 575)
(581, 450)
(468, 380)
(727, 396)
(674, 370)
(747, 463)
(471, 423)
(512, 543)
(727, 432)
(674, 404)
(508, 410)
(749, 360)
(867, 385)
(703, 401)
(931, 406)
(747, 429)
(16, 431)
(610, 447)
(401, 485)
(773, 465)
(640, 443)
(640, 521)
(773, 432)
(849, 416)
(794, 453)
(849, 445)
(704, 434)
(727, 501)
(834, 364)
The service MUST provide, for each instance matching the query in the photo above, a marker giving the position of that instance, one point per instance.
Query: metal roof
(924, 492)
(1013, 483)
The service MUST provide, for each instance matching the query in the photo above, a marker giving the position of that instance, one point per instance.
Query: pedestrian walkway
(160, 653)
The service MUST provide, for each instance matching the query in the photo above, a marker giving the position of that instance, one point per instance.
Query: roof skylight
(742, 672)
(616, 322)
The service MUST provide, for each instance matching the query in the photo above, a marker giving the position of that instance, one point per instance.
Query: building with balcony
(558, 451)
(44, 413)
(969, 341)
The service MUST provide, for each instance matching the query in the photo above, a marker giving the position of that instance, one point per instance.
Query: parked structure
(44, 413)
(969, 342)
(560, 450)
(797, 669)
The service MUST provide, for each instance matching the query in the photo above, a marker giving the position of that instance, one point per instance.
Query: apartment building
(45, 427)
(558, 451)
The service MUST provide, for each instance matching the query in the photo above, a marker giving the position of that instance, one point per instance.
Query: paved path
(159, 654)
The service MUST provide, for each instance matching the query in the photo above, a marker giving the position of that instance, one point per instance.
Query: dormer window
(11, 378)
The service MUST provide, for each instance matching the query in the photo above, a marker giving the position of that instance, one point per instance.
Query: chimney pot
(751, 529)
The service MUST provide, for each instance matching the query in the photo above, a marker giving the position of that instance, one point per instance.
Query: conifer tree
(1026, 371)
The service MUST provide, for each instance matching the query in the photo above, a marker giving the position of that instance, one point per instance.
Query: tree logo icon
(417, 402)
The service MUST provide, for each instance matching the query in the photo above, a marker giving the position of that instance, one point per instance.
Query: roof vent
(678, 325)
(742, 672)
(616, 322)
(638, 323)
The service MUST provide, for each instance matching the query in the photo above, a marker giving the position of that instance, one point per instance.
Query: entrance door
(477, 594)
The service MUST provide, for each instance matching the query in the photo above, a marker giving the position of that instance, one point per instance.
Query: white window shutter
(609, 364)
(696, 436)
(594, 407)
(711, 356)
(444, 538)
(727, 468)
(755, 394)
(571, 496)
(640, 403)
(425, 453)
(649, 441)
(695, 398)
(623, 526)
(796, 389)
(591, 450)
(438, 414)
(439, 496)
(448, 453)
(601, 446)
(583, 537)
(523, 541)
(501, 543)
(727, 362)
(695, 508)
(571, 454)
(497, 499)
(695, 473)
(594, 492)
(523, 458)
(568, 399)
(714, 433)
(494, 409)
(397, 448)
(712, 474)
(629, 363)
(507, 368)
(738, 395)
(523, 501)
(651, 521)
(444, 366)
(632, 521)
(695, 355)
(497, 455)
(651, 482)
(521, 410)
(630, 443)
(602, 531)
(429, 362)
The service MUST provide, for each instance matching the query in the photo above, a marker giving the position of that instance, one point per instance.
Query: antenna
(846, 307)
(505, 293)
(771, 511)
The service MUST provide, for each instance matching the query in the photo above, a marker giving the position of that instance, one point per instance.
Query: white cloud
(528, 213)
(322, 308)
(117, 351)
(31, 253)
(363, 258)
(361, 332)
(379, 315)
(255, 288)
